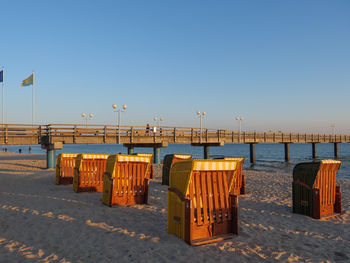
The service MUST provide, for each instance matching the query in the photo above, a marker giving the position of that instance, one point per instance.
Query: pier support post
(252, 152)
(156, 153)
(156, 148)
(314, 152)
(286, 152)
(50, 158)
(130, 150)
(335, 150)
(51, 153)
(206, 152)
(206, 147)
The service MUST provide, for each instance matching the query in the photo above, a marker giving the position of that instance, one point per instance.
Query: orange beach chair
(201, 208)
(88, 172)
(126, 180)
(65, 168)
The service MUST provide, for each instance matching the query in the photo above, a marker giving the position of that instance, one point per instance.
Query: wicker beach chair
(88, 172)
(126, 180)
(168, 161)
(201, 209)
(315, 192)
(65, 168)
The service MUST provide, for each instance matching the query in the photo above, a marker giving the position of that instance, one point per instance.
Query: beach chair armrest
(337, 203)
(177, 192)
(302, 184)
(108, 175)
(150, 173)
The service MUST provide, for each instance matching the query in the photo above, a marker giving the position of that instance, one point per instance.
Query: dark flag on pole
(1, 76)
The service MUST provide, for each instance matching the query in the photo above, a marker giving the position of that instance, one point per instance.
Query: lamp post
(200, 116)
(239, 119)
(333, 126)
(158, 120)
(114, 106)
(87, 117)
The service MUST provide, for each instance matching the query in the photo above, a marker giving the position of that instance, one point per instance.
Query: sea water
(269, 156)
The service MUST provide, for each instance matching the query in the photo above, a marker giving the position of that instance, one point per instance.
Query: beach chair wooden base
(134, 192)
(205, 233)
(65, 180)
(82, 189)
(204, 241)
(79, 187)
(328, 210)
(122, 200)
(225, 226)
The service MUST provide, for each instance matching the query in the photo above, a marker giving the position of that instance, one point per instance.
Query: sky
(281, 65)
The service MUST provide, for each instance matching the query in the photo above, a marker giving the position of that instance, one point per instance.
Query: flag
(1, 76)
(28, 81)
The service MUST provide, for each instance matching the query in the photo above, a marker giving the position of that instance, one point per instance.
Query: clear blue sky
(282, 65)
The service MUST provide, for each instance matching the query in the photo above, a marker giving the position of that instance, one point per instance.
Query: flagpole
(33, 102)
(3, 88)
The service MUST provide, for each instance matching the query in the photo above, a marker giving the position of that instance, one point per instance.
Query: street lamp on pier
(200, 116)
(333, 126)
(239, 119)
(158, 121)
(87, 117)
(114, 106)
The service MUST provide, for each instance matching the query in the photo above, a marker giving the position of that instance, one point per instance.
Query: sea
(269, 157)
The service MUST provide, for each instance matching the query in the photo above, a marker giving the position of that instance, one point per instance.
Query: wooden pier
(54, 136)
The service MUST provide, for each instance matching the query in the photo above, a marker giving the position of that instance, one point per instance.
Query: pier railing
(16, 134)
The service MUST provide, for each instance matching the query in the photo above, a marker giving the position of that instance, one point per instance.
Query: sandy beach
(44, 222)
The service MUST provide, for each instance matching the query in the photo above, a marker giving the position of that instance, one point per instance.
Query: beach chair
(168, 161)
(145, 155)
(315, 192)
(238, 187)
(88, 172)
(126, 180)
(65, 168)
(201, 209)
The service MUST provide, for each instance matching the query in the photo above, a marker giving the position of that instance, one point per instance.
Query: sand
(44, 222)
